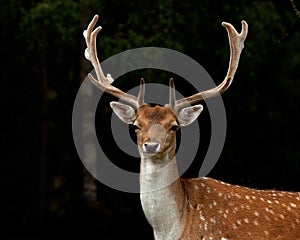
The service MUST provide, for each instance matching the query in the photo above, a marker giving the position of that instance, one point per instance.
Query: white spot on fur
(293, 205)
(205, 226)
(213, 220)
(234, 226)
(238, 196)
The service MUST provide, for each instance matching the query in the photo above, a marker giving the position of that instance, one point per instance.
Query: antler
(236, 42)
(102, 82)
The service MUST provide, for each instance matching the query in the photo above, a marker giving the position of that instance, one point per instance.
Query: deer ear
(124, 112)
(188, 115)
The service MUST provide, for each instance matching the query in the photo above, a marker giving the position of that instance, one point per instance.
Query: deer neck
(162, 195)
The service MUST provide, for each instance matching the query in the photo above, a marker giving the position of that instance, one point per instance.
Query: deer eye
(136, 128)
(174, 128)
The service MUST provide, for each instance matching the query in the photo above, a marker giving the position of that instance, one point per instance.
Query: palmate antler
(236, 42)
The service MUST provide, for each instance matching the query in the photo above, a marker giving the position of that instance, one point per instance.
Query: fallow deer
(198, 208)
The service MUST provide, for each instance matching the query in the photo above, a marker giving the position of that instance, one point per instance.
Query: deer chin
(159, 157)
(155, 156)
(149, 155)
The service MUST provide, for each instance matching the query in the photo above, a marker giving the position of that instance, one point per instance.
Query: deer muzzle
(151, 147)
(157, 138)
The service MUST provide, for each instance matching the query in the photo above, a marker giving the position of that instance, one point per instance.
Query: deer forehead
(147, 115)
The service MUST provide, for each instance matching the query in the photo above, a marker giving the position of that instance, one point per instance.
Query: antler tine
(102, 82)
(236, 43)
(172, 98)
(140, 99)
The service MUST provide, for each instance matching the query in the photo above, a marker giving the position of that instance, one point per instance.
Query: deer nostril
(151, 147)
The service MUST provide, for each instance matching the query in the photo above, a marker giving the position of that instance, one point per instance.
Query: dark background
(44, 187)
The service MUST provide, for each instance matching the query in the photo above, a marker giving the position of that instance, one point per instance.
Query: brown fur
(216, 209)
(146, 116)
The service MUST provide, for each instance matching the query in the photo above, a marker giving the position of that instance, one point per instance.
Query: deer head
(156, 126)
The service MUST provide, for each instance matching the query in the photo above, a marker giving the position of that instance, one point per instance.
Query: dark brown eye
(174, 128)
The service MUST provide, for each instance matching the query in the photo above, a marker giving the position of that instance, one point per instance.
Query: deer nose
(151, 147)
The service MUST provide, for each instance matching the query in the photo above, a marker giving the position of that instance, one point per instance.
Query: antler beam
(102, 82)
(236, 43)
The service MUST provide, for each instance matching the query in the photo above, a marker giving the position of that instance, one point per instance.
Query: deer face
(156, 129)
(156, 126)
